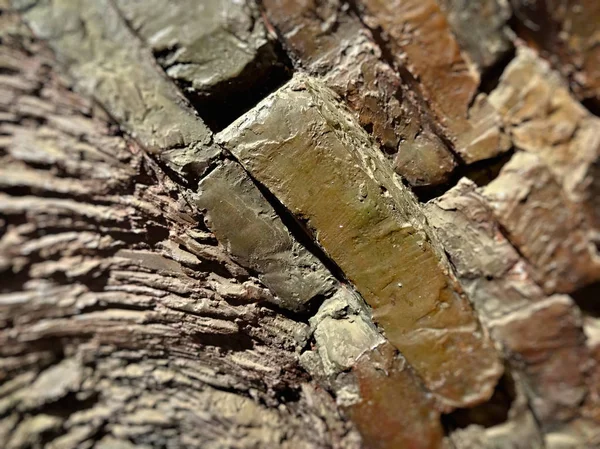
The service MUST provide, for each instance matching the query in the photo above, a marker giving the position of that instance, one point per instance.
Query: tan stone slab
(312, 155)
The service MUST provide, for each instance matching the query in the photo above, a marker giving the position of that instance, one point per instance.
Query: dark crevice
(491, 77)
(588, 299)
(300, 231)
(489, 414)
(481, 173)
(229, 100)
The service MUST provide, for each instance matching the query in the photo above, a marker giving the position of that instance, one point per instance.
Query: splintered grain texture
(309, 152)
(248, 226)
(394, 412)
(107, 61)
(352, 65)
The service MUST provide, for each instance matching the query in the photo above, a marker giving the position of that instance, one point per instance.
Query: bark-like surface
(277, 284)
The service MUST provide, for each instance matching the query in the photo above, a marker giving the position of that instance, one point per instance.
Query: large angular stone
(254, 235)
(419, 37)
(202, 44)
(480, 28)
(549, 230)
(394, 411)
(106, 60)
(545, 119)
(351, 63)
(308, 151)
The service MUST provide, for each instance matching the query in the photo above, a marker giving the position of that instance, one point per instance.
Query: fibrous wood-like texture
(208, 236)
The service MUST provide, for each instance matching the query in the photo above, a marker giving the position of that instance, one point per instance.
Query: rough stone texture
(519, 430)
(549, 230)
(123, 323)
(542, 336)
(419, 38)
(254, 235)
(217, 51)
(566, 31)
(349, 61)
(327, 172)
(106, 60)
(480, 28)
(394, 412)
(493, 273)
(552, 355)
(546, 120)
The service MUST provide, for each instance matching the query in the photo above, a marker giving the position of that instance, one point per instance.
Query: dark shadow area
(588, 299)
(489, 414)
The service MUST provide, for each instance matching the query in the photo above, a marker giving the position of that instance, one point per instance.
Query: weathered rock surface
(542, 336)
(254, 235)
(106, 60)
(480, 28)
(218, 52)
(327, 172)
(493, 273)
(552, 356)
(419, 37)
(545, 119)
(549, 230)
(351, 63)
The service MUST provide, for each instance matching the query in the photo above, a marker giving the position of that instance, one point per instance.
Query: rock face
(252, 232)
(350, 62)
(480, 28)
(109, 62)
(309, 153)
(218, 52)
(419, 36)
(567, 33)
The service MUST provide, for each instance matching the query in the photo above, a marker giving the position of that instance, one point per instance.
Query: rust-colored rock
(393, 412)
(566, 32)
(419, 37)
(311, 154)
(350, 63)
(548, 340)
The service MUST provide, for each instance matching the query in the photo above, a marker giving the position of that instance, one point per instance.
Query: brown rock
(312, 155)
(419, 37)
(548, 340)
(351, 64)
(393, 412)
(566, 32)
